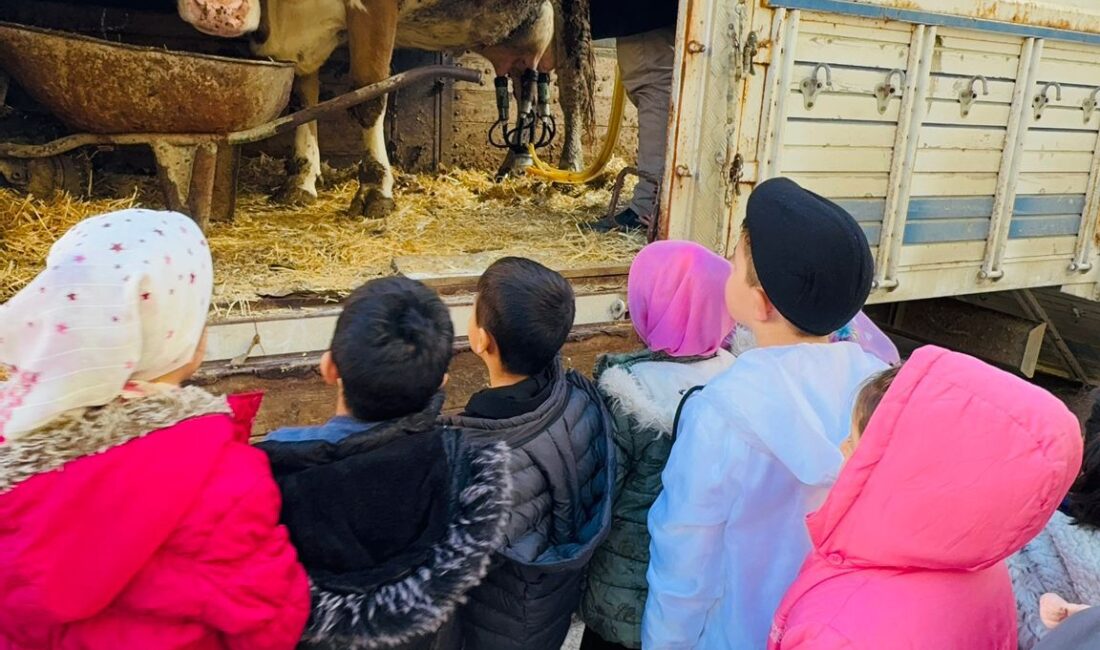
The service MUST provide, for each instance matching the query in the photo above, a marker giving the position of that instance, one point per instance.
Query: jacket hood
(650, 386)
(960, 465)
(581, 511)
(391, 561)
(63, 486)
(815, 383)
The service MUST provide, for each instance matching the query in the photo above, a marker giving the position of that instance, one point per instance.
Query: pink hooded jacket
(146, 524)
(959, 467)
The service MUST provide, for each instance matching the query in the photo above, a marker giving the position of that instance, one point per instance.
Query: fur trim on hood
(649, 391)
(420, 603)
(95, 430)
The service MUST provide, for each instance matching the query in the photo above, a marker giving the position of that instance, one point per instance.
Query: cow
(516, 36)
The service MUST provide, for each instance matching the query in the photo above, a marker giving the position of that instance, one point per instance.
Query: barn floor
(449, 223)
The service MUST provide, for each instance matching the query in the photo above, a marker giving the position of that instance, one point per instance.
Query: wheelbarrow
(188, 108)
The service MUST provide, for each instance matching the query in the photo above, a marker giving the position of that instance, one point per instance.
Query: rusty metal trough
(189, 108)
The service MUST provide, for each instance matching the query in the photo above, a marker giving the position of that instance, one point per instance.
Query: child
(394, 518)
(955, 469)
(1078, 627)
(675, 296)
(758, 447)
(133, 513)
(1065, 557)
(562, 461)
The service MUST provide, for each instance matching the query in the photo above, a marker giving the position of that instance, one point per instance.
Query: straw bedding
(275, 251)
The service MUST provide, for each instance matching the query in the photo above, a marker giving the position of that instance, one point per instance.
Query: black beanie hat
(811, 256)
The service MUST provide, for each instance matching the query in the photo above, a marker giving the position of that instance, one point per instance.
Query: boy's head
(802, 263)
(523, 314)
(1084, 496)
(869, 397)
(391, 349)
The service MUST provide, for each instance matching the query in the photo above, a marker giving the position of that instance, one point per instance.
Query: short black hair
(1084, 496)
(528, 309)
(392, 346)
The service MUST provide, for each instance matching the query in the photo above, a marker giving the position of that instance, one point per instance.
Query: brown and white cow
(515, 35)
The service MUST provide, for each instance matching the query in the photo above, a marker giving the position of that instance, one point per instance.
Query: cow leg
(574, 62)
(572, 148)
(371, 33)
(304, 168)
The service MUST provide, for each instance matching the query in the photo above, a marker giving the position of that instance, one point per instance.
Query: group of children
(758, 476)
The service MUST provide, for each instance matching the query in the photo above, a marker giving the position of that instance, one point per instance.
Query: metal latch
(1043, 98)
(967, 95)
(812, 85)
(751, 49)
(737, 172)
(1089, 105)
(885, 90)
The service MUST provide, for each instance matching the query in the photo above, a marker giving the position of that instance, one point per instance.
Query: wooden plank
(1064, 115)
(836, 159)
(844, 185)
(938, 207)
(1074, 52)
(970, 62)
(1056, 161)
(952, 253)
(864, 210)
(955, 184)
(982, 41)
(953, 138)
(1044, 226)
(888, 31)
(946, 230)
(1040, 204)
(1068, 141)
(861, 81)
(839, 134)
(1073, 72)
(1052, 183)
(1048, 248)
(948, 160)
(836, 50)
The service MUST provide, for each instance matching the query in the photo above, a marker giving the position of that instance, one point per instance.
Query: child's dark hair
(1084, 496)
(528, 309)
(870, 396)
(392, 346)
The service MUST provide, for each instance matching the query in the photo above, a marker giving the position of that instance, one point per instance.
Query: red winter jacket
(149, 524)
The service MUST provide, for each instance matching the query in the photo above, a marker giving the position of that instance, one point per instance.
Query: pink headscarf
(676, 295)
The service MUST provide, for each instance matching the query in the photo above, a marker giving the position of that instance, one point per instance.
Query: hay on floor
(274, 251)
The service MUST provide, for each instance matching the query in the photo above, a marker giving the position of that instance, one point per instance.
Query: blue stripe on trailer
(1048, 225)
(1035, 204)
(864, 210)
(929, 18)
(936, 219)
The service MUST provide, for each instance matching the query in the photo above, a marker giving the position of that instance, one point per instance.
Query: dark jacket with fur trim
(146, 523)
(394, 525)
(563, 471)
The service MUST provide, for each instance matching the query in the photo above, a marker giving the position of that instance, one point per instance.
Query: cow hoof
(291, 194)
(571, 163)
(371, 205)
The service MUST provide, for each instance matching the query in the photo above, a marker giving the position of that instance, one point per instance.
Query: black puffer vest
(563, 470)
(394, 525)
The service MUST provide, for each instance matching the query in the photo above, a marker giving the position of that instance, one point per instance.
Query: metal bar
(311, 332)
(70, 142)
(779, 21)
(1005, 196)
(349, 100)
(200, 193)
(777, 122)
(879, 12)
(913, 109)
(1035, 311)
(1089, 216)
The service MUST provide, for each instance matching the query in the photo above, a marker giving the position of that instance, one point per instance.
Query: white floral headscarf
(124, 296)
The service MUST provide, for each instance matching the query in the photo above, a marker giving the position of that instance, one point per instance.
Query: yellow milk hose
(545, 172)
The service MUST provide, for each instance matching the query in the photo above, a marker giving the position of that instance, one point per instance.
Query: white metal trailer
(962, 134)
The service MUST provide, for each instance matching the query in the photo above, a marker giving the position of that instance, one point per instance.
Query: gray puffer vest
(563, 470)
